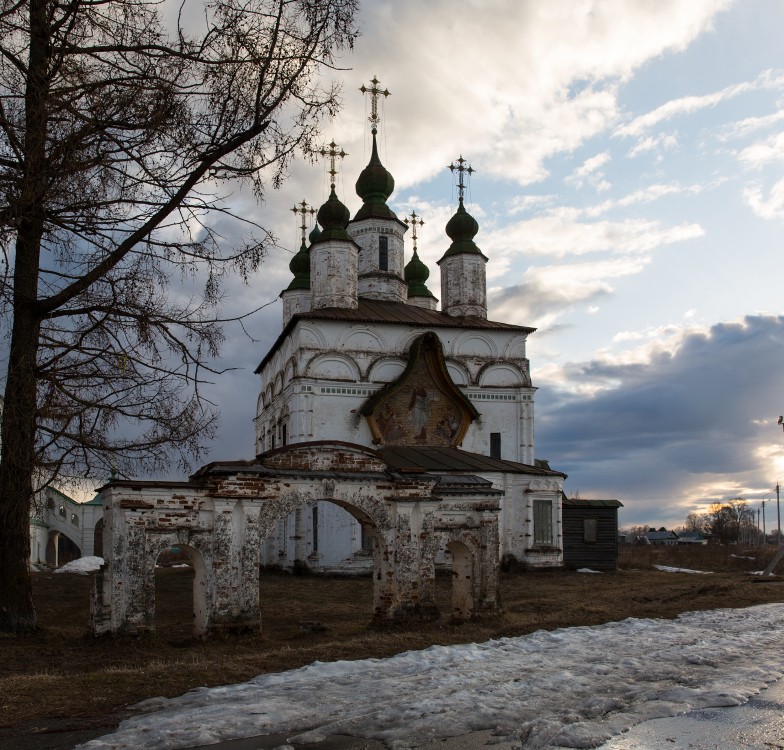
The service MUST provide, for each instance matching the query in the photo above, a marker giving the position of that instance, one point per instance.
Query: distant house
(590, 533)
(692, 537)
(662, 536)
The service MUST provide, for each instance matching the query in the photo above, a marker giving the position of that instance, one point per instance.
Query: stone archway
(61, 549)
(200, 604)
(226, 509)
(367, 508)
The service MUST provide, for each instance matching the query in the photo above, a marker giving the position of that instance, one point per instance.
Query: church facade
(366, 357)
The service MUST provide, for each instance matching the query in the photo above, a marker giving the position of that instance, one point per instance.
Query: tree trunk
(17, 613)
(17, 455)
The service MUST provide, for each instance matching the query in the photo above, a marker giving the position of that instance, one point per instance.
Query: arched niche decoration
(362, 338)
(501, 374)
(333, 366)
(423, 406)
(472, 343)
(310, 337)
(386, 370)
(458, 373)
(515, 347)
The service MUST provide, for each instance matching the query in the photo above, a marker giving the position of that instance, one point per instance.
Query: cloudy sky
(630, 197)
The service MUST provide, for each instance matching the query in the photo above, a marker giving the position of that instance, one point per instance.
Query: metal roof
(580, 503)
(415, 458)
(377, 311)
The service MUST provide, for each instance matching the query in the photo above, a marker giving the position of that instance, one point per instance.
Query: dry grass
(62, 685)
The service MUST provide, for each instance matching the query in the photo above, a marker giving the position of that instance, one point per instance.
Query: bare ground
(61, 686)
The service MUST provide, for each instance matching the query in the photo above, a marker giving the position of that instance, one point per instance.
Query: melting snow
(82, 566)
(573, 687)
(668, 569)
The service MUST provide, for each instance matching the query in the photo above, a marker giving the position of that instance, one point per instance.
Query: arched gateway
(227, 509)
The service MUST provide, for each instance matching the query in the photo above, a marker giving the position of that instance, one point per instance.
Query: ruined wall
(222, 516)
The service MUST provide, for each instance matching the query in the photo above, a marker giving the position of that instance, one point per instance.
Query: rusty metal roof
(376, 311)
(424, 458)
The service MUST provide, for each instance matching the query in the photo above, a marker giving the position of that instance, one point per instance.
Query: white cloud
(561, 234)
(749, 125)
(766, 207)
(590, 171)
(764, 152)
(543, 76)
(661, 142)
(769, 79)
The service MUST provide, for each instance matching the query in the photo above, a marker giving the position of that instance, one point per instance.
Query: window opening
(543, 522)
(315, 529)
(383, 253)
(495, 445)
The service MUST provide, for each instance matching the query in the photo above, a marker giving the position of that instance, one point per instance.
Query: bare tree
(118, 141)
(726, 522)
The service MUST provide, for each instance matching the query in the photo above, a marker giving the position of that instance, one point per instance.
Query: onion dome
(462, 229)
(315, 233)
(416, 274)
(333, 217)
(300, 267)
(374, 185)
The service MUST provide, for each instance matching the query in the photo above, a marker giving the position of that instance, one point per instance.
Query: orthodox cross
(461, 170)
(413, 220)
(333, 154)
(374, 91)
(303, 208)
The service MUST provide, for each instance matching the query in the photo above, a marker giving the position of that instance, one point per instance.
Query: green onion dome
(462, 229)
(333, 217)
(315, 233)
(374, 185)
(300, 267)
(416, 274)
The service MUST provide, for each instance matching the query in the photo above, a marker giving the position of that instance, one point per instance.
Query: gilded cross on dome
(413, 220)
(375, 91)
(462, 170)
(304, 209)
(335, 152)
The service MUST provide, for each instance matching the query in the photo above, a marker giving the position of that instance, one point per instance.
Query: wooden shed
(590, 533)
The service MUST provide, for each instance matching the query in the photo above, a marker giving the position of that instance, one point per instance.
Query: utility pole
(778, 514)
(764, 532)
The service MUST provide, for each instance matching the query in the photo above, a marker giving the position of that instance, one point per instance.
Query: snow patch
(568, 688)
(668, 569)
(82, 566)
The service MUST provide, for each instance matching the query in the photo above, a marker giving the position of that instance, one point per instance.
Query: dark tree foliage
(119, 136)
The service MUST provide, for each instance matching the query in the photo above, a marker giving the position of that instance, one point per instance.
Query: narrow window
(315, 528)
(543, 522)
(590, 530)
(284, 433)
(495, 445)
(383, 253)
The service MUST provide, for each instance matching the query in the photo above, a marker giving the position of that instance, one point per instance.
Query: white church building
(365, 357)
